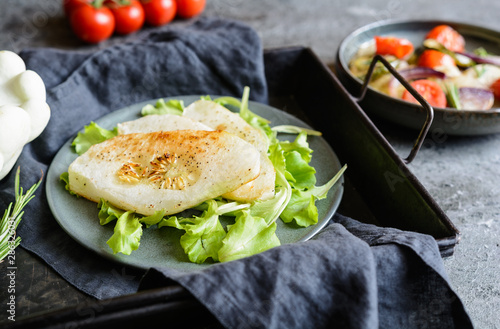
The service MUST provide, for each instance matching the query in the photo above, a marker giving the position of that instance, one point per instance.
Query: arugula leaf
(248, 236)
(127, 234)
(92, 134)
(173, 106)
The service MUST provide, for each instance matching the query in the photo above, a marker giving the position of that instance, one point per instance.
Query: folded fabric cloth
(210, 56)
(351, 275)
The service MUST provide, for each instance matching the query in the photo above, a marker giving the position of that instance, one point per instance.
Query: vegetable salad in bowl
(440, 69)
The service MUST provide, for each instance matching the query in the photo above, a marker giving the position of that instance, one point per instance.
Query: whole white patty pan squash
(24, 112)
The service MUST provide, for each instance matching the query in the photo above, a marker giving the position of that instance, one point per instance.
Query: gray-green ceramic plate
(446, 120)
(160, 247)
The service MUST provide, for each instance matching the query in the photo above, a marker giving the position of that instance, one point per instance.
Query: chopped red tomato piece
(448, 37)
(430, 90)
(398, 47)
(495, 88)
(433, 58)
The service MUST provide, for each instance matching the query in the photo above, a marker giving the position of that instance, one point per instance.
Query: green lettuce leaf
(290, 129)
(126, 235)
(161, 107)
(174, 221)
(108, 213)
(298, 172)
(228, 101)
(154, 219)
(248, 236)
(64, 177)
(128, 228)
(302, 206)
(204, 233)
(203, 238)
(253, 119)
(271, 209)
(299, 145)
(92, 134)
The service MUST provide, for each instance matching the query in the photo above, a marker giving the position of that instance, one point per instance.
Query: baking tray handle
(428, 109)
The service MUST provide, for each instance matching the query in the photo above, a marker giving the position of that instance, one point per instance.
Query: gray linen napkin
(351, 275)
(210, 56)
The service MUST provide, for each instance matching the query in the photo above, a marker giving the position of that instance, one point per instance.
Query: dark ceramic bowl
(446, 120)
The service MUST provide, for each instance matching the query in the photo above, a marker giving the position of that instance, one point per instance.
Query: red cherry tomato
(430, 90)
(159, 12)
(495, 88)
(433, 58)
(190, 8)
(128, 17)
(92, 24)
(70, 5)
(398, 47)
(448, 37)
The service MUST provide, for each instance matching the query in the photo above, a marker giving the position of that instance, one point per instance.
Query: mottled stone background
(461, 173)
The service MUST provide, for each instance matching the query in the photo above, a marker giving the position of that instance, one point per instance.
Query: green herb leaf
(13, 215)
(481, 52)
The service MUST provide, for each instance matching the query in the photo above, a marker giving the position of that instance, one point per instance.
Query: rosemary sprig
(12, 216)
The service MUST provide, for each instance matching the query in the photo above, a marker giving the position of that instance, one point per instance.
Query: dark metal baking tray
(379, 189)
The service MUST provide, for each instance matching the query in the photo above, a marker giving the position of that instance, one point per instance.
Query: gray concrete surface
(462, 174)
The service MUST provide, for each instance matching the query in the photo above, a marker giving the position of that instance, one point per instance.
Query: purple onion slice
(475, 98)
(494, 60)
(414, 73)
